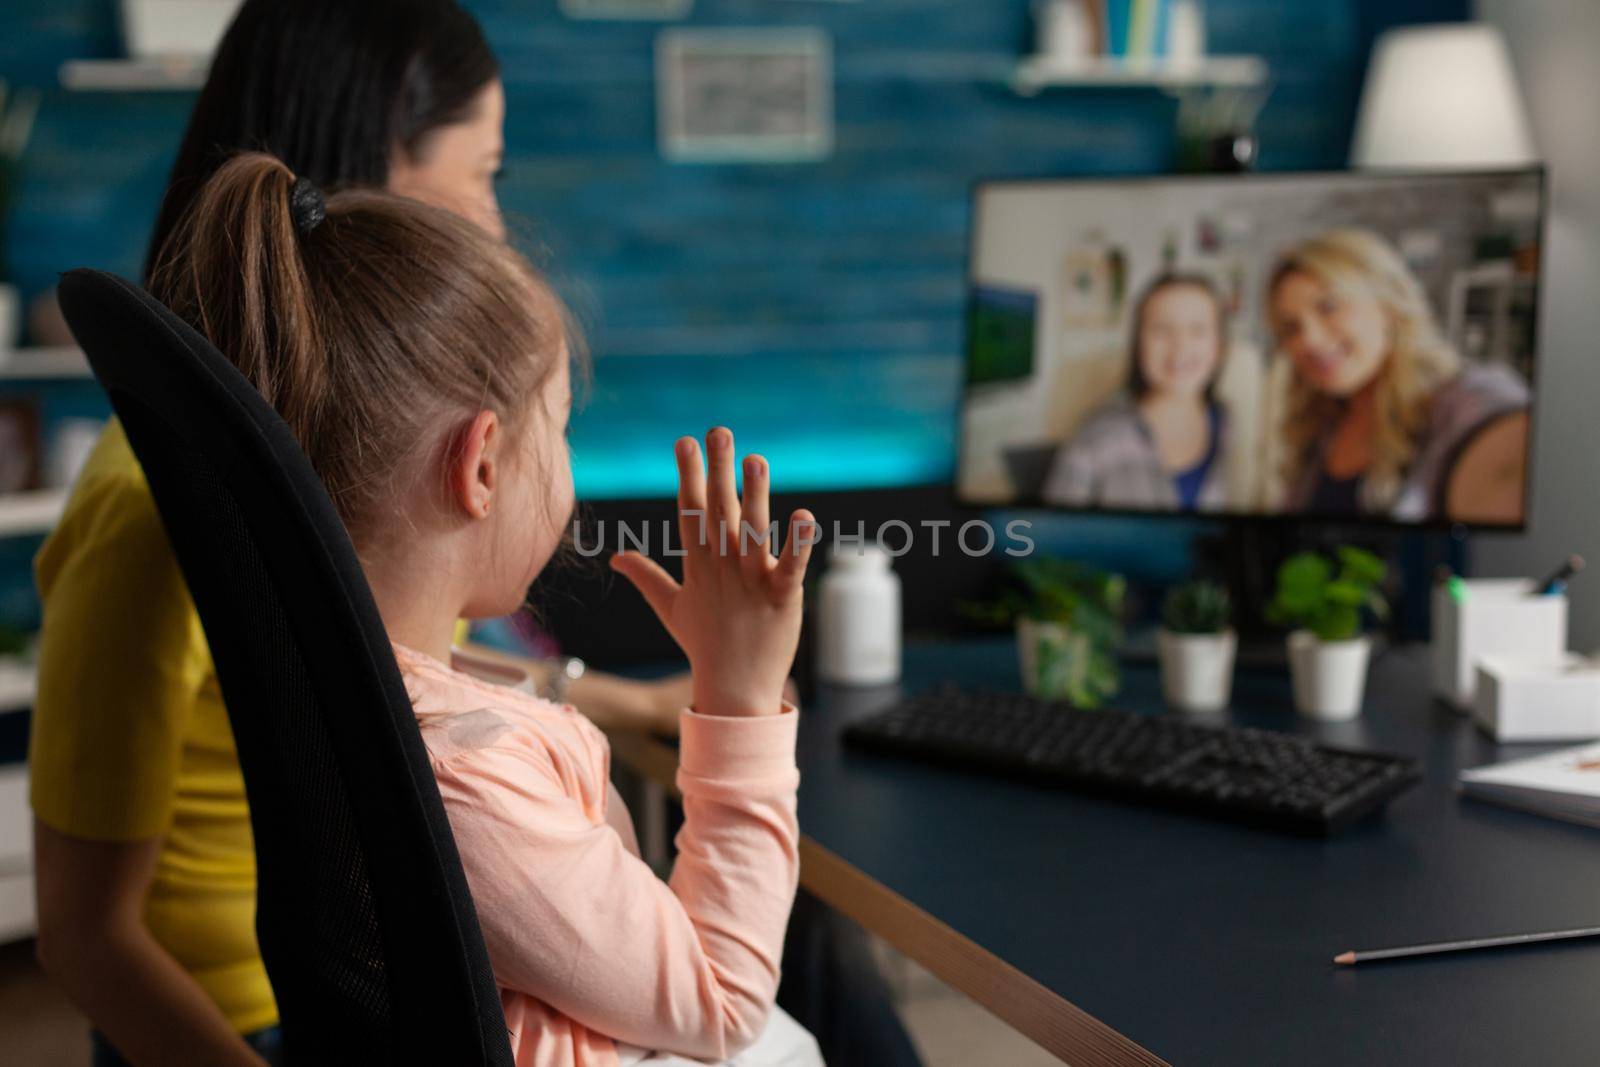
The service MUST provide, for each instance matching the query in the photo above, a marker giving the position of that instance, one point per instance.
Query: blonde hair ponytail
(236, 275)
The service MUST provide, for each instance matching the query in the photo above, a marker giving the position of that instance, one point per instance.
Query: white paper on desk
(1562, 785)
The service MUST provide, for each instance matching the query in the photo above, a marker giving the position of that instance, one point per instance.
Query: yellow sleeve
(121, 659)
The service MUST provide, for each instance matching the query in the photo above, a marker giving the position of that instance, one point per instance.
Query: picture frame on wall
(744, 95)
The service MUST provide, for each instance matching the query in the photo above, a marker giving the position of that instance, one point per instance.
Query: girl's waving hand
(736, 614)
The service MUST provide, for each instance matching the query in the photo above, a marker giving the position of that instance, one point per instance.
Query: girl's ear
(474, 469)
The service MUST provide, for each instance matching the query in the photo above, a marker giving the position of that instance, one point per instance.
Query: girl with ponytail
(424, 367)
(144, 864)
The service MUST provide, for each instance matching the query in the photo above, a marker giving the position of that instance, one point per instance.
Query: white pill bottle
(858, 617)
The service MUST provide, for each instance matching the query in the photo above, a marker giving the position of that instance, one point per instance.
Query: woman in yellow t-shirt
(146, 869)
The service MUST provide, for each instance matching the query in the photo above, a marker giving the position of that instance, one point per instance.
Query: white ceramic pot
(1197, 669)
(1329, 677)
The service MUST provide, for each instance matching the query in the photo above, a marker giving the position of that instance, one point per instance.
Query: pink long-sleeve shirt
(589, 947)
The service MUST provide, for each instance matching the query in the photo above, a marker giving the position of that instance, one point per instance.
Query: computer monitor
(1335, 346)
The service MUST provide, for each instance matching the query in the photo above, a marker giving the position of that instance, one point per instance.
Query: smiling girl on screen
(1163, 445)
(1380, 405)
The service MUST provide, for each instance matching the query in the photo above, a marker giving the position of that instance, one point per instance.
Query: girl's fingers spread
(691, 495)
(722, 498)
(791, 569)
(754, 544)
(656, 586)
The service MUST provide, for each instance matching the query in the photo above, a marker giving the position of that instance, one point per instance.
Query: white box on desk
(1496, 617)
(1523, 699)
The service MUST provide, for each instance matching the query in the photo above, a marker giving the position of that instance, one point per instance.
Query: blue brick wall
(815, 307)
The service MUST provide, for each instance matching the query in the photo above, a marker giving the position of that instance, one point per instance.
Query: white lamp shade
(1442, 96)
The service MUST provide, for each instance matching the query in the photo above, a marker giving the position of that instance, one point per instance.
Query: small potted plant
(1328, 605)
(1196, 645)
(1068, 621)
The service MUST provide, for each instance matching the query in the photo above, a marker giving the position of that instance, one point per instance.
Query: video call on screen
(1332, 345)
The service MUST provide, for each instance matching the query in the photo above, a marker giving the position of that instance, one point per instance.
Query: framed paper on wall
(744, 95)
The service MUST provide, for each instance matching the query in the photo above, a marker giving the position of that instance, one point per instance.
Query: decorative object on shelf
(1329, 647)
(19, 446)
(641, 10)
(158, 29)
(71, 441)
(14, 643)
(10, 316)
(1442, 96)
(744, 95)
(1216, 131)
(1152, 43)
(1185, 40)
(169, 44)
(18, 678)
(1196, 645)
(17, 112)
(1068, 618)
(1066, 29)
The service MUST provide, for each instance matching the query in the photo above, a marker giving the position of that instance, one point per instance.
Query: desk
(1123, 935)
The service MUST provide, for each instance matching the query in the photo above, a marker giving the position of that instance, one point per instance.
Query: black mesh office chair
(363, 914)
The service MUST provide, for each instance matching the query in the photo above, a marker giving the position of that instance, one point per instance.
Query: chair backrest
(362, 910)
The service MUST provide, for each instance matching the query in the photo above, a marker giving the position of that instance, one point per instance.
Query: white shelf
(165, 74)
(30, 513)
(44, 364)
(1037, 73)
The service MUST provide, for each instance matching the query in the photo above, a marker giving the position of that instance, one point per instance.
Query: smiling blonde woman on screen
(1380, 406)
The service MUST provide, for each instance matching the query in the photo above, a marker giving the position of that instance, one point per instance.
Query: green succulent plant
(1079, 664)
(1197, 607)
(1331, 601)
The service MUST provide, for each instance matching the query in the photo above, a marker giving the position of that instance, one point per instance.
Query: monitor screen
(1333, 346)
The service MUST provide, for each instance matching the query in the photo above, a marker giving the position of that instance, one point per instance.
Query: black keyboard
(1253, 776)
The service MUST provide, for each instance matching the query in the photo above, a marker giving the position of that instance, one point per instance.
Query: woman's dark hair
(1138, 384)
(331, 87)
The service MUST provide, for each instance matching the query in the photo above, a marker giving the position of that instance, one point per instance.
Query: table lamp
(1442, 96)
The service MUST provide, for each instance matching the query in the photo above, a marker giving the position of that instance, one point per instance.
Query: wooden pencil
(1368, 955)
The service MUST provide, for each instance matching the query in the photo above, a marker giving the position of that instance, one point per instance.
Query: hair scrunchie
(306, 205)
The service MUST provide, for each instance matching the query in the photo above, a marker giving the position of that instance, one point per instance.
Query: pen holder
(1491, 617)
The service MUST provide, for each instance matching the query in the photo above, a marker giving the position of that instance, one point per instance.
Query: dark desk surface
(1211, 944)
